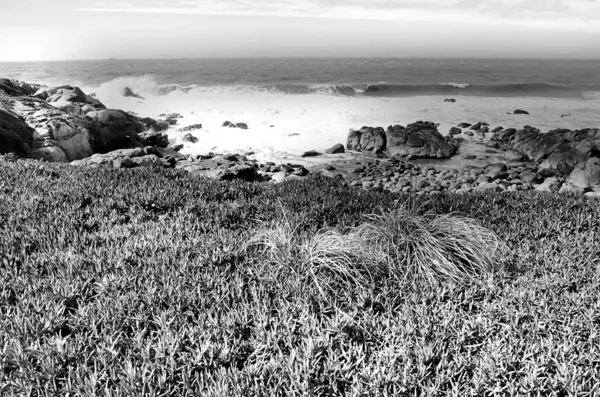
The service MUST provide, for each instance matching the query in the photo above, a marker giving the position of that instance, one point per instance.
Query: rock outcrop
(562, 150)
(64, 124)
(420, 139)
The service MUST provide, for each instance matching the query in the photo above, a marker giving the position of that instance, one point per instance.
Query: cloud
(572, 13)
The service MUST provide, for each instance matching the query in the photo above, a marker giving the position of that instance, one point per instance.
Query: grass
(144, 282)
(397, 245)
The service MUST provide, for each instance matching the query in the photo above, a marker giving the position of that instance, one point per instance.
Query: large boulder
(15, 135)
(50, 153)
(592, 171)
(420, 139)
(563, 151)
(68, 132)
(372, 139)
(67, 93)
(113, 129)
(336, 149)
(353, 142)
(64, 124)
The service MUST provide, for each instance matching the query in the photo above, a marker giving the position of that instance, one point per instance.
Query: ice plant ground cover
(156, 282)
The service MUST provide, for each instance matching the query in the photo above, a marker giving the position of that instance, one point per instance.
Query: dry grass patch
(393, 245)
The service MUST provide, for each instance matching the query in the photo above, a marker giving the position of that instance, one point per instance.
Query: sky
(34, 30)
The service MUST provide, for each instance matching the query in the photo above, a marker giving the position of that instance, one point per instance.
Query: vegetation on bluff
(158, 282)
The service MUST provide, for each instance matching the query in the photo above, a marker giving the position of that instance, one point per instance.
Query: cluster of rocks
(170, 119)
(63, 124)
(229, 124)
(403, 177)
(420, 139)
(574, 155)
(215, 166)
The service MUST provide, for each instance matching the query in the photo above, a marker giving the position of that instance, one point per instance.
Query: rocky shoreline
(63, 124)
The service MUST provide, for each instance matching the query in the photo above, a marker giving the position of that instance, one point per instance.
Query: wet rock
(464, 125)
(189, 128)
(127, 92)
(336, 149)
(520, 111)
(242, 126)
(311, 153)
(455, 131)
(154, 138)
(189, 138)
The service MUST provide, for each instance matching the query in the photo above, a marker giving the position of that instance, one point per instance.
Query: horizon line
(306, 57)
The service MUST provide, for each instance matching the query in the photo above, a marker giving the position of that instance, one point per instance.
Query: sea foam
(289, 121)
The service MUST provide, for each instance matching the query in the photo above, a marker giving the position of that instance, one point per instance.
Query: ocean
(293, 105)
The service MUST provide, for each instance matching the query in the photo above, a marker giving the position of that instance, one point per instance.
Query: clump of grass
(396, 244)
(432, 247)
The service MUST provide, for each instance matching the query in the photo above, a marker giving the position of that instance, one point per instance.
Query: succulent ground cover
(158, 282)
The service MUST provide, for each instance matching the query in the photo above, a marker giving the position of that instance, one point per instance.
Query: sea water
(294, 105)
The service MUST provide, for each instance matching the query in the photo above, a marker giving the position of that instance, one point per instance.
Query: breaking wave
(148, 86)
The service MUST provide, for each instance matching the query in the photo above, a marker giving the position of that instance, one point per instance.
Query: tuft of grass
(432, 247)
(396, 244)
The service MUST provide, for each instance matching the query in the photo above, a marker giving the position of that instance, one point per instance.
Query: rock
(69, 108)
(189, 138)
(154, 138)
(592, 195)
(147, 161)
(592, 171)
(464, 125)
(68, 94)
(113, 129)
(489, 186)
(478, 126)
(353, 142)
(372, 139)
(49, 153)
(128, 93)
(520, 111)
(570, 188)
(550, 185)
(190, 128)
(529, 177)
(495, 168)
(311, 153)
(154, 125)
(469, 133)
(336, 149)
(15, 135)
(420, 139)
(301, 171)
(469, 157)
(244, 172)
(242, 126)
(455, 131)
(452, 100)
(229, 124)
(123, 162)
(69, 125)
(497, 129)
(278, 177)
(512, 156)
